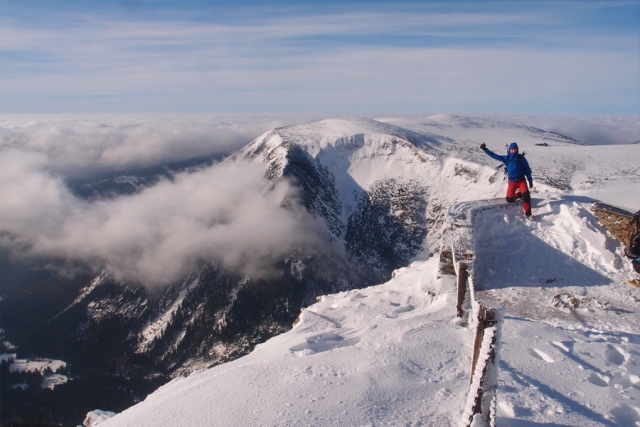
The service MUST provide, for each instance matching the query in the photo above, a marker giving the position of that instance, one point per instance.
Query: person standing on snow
(518, 169)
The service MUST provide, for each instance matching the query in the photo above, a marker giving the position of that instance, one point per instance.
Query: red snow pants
(524, 193)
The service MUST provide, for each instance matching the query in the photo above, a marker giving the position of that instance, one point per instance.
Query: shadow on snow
(509, 255)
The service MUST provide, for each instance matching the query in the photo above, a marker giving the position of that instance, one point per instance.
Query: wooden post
(463, 274)
(489, 316)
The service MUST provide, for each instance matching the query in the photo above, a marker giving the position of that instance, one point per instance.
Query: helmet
(513, 146)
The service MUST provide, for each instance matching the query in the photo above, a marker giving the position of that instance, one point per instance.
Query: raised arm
(490, 153)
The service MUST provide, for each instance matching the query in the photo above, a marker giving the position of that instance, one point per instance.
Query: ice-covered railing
(484, 317)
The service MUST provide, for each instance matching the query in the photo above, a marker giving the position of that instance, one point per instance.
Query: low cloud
(594, 130)
(226, 213)
(76, 146)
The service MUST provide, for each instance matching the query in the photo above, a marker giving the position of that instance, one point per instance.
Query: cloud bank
(77, 145)
(226, 213)
(594, 130)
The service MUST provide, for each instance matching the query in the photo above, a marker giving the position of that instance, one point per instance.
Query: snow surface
(7, 356)
(20, 365)
(392, 354)
(385, 355)
(96, 417)
(576, 367)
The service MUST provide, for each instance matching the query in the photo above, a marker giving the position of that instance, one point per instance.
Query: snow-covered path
(561, 366)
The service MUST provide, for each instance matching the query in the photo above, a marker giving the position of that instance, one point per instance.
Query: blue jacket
(517, 166)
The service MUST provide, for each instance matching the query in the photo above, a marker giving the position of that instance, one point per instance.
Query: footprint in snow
(599, 380)
(616, 356)
(324, 342)
(624, 380)
(404, 309)
(626, 415)
(327, 341)
(564, 346)
(539, 354)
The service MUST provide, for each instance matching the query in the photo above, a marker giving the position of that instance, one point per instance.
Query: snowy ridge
(84, 292)
(347, 147)
(456, 128)
(563, 163)
(366, 181)
(155, 328)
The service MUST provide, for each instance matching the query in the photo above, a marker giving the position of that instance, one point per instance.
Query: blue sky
(367, 57)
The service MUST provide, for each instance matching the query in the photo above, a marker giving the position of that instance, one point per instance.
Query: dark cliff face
(318, 189)
(388, 227)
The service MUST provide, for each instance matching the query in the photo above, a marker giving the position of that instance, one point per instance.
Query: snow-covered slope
(390, 354)
(355, 358)
(570, 366)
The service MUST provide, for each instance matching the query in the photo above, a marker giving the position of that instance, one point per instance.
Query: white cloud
(596, 130)
(225, 213)
(77, 145)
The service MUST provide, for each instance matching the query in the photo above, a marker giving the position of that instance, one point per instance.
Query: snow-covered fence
(463, 275)
(485, 319)
(480, 408)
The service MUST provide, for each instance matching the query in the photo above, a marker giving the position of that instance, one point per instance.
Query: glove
(483, 146)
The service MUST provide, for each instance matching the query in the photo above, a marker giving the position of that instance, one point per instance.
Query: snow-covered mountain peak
(331, 136)
(329, 131)
(344, 158)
